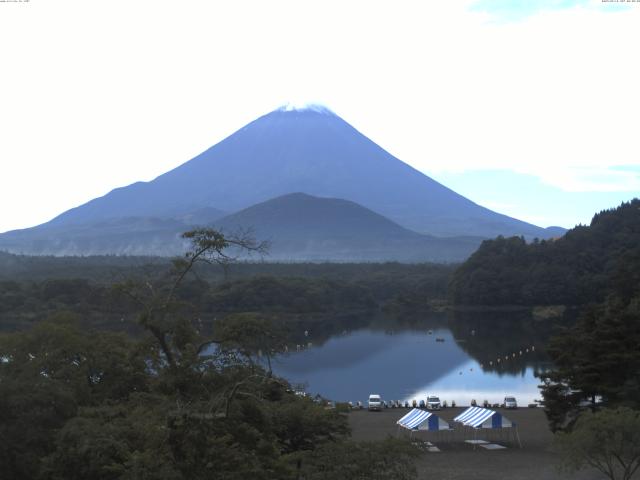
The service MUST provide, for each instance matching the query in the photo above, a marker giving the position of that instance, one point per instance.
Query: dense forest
(33, 288)
(579, 268)
(108, 269)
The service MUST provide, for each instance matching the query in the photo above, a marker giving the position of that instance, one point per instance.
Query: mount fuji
(311, 151)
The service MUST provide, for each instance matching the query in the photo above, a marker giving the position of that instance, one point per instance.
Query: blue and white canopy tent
(484, 418)
(421, 420)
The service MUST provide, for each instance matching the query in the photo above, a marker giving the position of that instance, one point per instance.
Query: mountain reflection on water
(454, 357)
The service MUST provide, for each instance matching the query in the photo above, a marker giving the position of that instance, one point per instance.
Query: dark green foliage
(79, 405)
(608, 440)
(50, 372)
(294, 295)
(301, 425)
(599, 355)
(575, 269)
(293, 289)
(361, 461)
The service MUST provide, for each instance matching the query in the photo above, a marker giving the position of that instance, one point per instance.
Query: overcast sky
(99, 94)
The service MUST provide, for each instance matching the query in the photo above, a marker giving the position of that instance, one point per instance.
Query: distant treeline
(110, 268)
(579, 268)
(87, 287)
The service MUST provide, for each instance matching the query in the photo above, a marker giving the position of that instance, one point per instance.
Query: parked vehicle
(422, 404)
(375, 402)
(433, 403)
(510, 402)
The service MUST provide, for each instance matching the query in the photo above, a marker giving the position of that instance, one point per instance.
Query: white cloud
(593, 179)
(504, 11)
(96, 95)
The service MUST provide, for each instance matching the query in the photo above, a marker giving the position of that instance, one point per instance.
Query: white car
(433, 403)
(375, 402)
(510, 402)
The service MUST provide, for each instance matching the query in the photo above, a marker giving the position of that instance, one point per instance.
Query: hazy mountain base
(299, 227)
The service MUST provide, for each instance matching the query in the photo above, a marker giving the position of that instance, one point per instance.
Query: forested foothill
(578, 268)
(595, 377)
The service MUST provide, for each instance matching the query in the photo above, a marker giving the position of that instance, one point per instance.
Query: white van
(433, 403)
(375, 402)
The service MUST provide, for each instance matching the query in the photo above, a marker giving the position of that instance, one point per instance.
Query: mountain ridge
(303, 151)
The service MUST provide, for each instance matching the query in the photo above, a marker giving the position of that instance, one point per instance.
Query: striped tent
(418, 419)
(478, 417)
(468, 413)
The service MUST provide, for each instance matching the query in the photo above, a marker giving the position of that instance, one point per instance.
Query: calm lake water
(408, 362)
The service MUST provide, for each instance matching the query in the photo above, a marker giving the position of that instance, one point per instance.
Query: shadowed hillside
(581, 267)
(300, 226)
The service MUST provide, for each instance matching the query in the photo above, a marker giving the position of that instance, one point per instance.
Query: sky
(527, 107)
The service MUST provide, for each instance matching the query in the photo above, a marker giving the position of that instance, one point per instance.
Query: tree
(598, 358)
(252, 334)
(160, 311)
(608, 440)
(47, 375)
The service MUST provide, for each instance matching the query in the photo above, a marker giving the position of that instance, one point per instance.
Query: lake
(457, 360)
